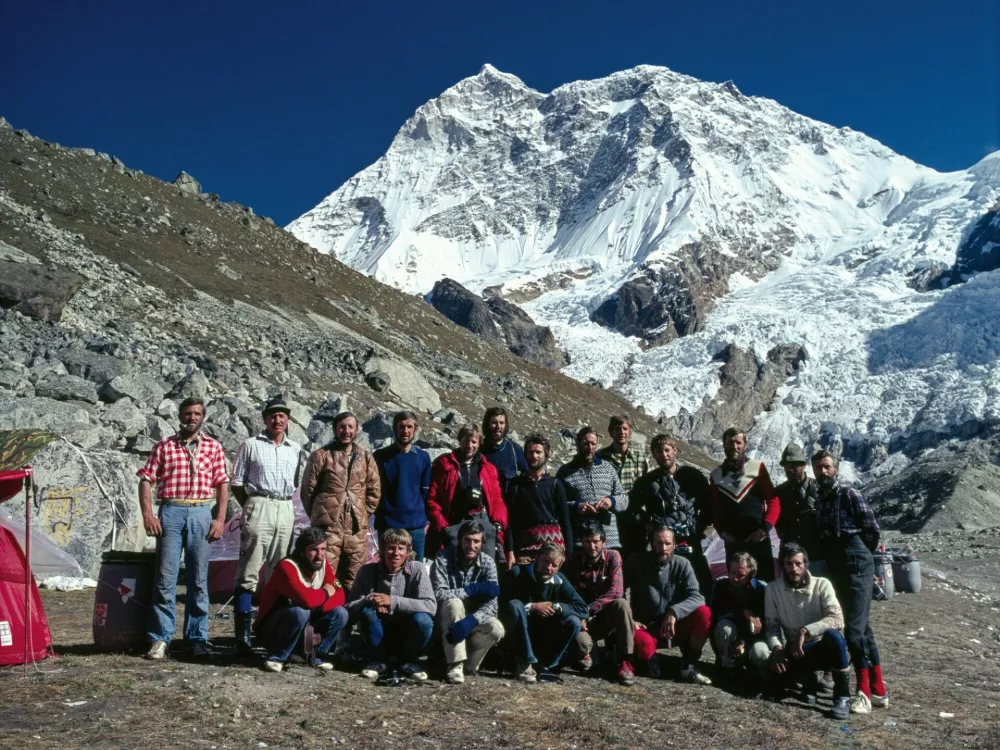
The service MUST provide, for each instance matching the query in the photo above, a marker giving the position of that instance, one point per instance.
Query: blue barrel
(123, 600)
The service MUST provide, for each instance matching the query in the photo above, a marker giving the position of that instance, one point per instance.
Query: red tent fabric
(13, 627)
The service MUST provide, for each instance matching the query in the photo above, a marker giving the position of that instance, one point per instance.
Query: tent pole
(27, 566)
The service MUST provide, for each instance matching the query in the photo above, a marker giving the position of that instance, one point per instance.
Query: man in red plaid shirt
(189, 471)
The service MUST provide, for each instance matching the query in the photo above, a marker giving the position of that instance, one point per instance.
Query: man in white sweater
(803, 622)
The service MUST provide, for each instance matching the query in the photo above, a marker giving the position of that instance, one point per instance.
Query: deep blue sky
(276, 104)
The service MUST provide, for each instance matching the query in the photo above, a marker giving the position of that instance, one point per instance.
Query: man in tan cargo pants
(264, 477)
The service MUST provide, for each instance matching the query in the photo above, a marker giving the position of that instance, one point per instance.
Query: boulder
(125, 418)
(71, 420)
(142, 389)
(300, 415)
(97, 368)
(73, 511)
(194, 385)
(40, 292)
(407, 383)
(67, 388)
(187, 184)
(379, 427)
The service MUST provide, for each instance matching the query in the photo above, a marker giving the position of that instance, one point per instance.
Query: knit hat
(276, 404)
(793, 454)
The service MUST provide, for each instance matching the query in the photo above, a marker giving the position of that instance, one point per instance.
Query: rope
(107, 496)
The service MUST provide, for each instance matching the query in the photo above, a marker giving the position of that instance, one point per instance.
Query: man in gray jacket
(392, 602)
(667, 606)
(467, 591)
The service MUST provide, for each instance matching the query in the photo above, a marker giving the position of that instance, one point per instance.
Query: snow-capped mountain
(650, 219)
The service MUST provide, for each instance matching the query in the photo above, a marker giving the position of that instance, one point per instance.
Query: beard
(826, 482)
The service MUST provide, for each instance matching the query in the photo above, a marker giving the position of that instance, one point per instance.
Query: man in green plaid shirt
(630, 464)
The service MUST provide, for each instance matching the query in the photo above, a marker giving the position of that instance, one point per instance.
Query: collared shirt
(597, 583)
(264, 468)
(183, 472)
(842, 511)
(630, 465)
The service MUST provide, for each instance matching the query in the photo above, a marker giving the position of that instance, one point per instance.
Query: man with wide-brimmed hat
(797, 494)
(264, 477)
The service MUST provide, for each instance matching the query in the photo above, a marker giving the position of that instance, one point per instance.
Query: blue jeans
(402, 634)
(281, 631)
(552, 635)
(419, 538)
(185, 528)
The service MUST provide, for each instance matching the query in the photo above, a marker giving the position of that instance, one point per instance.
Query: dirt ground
(940, 650)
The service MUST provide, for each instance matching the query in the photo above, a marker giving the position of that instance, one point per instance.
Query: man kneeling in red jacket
(303, 590)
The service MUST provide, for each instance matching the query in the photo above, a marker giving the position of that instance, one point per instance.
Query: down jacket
(445, 481)
(340, 489)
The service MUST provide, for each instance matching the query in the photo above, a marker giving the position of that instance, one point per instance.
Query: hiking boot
(374, 670)
(626, 675)
(690, 673)
(413, 672)
(200, 650)
(810, 686)
(825, 683)
(653, 668)
(548, 675)
(241, 626)
(586, 663)
(273, 666)
(861, 704)
(526, 674)
(455, 674)
(157, 651)
(841, 708)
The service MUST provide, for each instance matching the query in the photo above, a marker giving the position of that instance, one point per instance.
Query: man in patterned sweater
(467, 591)
(743, 504)
(596, 574)
(593, 487)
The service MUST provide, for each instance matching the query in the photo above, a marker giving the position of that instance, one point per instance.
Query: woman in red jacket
(465, 485)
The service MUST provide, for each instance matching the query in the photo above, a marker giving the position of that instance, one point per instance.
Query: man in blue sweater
(405, 471)
(503, 453)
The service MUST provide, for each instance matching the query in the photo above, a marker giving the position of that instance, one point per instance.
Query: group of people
(543, 567)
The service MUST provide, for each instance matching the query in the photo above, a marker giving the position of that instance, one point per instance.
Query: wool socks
(864, 685)
(878, 687)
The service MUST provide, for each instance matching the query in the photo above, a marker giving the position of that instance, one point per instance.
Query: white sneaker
(455, 674)
(861, 704)
(320, 664)
(374, 670)
(273, 666)
(157, 651)
(690, 673)
(881, 701)
(526, 674)
(413, 672)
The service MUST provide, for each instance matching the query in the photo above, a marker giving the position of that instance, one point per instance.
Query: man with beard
(743, 504)
(405, 478)
(848, 535)
(541, 614)
(593, 488)
(537, 508)
(264, 478)
(737, 606)
(596, 574)
(465, 485)
(630, 462)
(189, 471)
(797, 495)
(466, 588)
(676, 497)
(506, 455)
(667, 606)
(802, 621)
(340, 489)
(302, 591)
(393, 603)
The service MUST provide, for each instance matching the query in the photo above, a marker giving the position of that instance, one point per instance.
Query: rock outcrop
(37, 291)
(498, 322)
